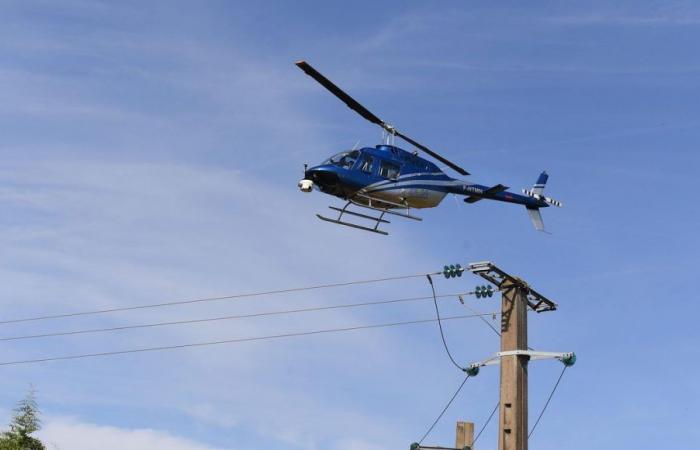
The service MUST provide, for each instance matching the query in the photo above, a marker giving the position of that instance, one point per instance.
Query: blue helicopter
(391, 181)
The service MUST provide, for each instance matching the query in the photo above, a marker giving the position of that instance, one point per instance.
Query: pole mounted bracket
(417, 446)
(491, 273)
(566, 358)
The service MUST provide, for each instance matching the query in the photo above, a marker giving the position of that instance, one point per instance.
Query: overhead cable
(483, 427)
(498, 333)
(221, 318)
(548, 400)
(437, 419)
(212, 299)
(227, 341)
(442, 334)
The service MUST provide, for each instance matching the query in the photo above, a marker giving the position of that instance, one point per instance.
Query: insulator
(472, 371)
(569, 359)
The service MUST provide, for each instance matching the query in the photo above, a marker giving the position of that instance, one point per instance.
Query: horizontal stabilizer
(487, 193)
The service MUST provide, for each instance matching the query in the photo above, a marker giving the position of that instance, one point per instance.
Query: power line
(220, 318)
(442, 334)
(548, 400)
(459, 389)
(211, 299)
(228, 341)
(498, 333)
(483, 427)
(481, 316)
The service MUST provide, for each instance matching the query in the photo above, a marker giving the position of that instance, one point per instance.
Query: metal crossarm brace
(423, 447)
(564, 357)
(488, 271)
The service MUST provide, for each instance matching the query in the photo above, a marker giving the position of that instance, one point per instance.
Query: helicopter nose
(321, 176)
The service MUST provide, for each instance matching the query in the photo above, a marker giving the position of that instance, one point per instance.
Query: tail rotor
(537, 192)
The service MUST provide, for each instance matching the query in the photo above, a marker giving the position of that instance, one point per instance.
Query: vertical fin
(536, 218)
(538, 188)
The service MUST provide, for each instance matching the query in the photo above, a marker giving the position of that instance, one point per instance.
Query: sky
(149, 152)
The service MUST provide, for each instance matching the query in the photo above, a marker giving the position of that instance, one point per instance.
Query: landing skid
(378, 220)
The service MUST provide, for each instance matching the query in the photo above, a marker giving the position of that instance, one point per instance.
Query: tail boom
(533, 199)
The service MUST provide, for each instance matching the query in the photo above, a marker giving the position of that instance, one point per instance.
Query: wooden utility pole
(513, 428)
(465, 435)
(516, 297)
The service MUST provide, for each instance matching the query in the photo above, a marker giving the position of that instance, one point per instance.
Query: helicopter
(391, 181)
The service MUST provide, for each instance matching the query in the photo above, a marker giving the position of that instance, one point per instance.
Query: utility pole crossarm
(488, 271)
(567, 358)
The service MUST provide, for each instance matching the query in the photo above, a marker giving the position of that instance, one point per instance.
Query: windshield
(344, 159)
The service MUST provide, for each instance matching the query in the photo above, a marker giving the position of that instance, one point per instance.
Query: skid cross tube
(356, 214)
(361, 200)
(344, 210)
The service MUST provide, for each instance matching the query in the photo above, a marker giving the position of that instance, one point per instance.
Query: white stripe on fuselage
(383, 182)
(405, 184)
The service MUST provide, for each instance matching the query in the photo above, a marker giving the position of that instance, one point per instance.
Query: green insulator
(453, 270)
(477, 292)
(446, 272)
(415, 446)
(569, 360)
(489, 291)
(472, 371)
(459, 270)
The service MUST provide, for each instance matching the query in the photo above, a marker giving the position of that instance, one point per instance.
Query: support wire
(483, 427)
(459, 389)
(548, 400)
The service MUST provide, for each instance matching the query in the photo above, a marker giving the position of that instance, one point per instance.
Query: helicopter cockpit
(346, 160)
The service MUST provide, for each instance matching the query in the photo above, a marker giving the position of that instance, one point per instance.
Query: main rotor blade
(432, 153)
(364, 112)
(342, 95)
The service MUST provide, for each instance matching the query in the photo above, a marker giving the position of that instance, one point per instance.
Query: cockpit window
(389, 170)
(366, 166)
(345, 160)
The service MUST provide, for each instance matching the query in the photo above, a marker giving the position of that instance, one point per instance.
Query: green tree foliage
(25, 421)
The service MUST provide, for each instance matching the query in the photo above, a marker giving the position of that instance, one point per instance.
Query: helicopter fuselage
(389, 173)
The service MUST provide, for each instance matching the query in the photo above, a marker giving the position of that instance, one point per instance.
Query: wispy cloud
(663, 14)
(66, 433)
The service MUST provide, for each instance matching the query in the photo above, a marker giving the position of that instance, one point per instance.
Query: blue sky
(150, 151)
